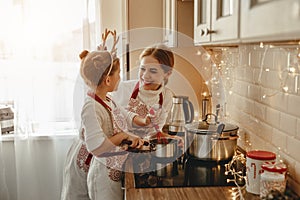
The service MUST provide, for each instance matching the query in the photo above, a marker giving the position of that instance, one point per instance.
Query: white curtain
(40, 43)
(3, 186)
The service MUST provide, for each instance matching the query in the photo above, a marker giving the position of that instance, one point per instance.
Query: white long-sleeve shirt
(148, 97)
(96, 122)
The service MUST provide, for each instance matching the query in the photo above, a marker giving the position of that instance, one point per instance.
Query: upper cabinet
(141, 15)
(269, 20)
(216, 21)
(178, 22)
(160, 21)
(170, 22)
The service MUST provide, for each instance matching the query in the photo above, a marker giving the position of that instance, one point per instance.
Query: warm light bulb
(205, 56)
(261, 45)
(285, 88)
(292, 69)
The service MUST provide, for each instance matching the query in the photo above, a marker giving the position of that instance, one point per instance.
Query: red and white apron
(142, 110)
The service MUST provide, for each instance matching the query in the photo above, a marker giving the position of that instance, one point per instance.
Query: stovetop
(185, 171)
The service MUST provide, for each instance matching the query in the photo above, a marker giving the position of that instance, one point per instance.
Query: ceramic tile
(254, 92)
(298, 129)
(288, 124)
(297, 172)
(293, 105)
(280, 59)
(272, 117)
(279, 139)
(293, 145)
(259, 111)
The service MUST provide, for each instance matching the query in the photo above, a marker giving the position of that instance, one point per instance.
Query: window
(40, 43)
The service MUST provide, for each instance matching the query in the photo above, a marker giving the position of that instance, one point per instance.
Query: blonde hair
(96, 65)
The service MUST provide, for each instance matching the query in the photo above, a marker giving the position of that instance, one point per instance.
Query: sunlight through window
(40, 43)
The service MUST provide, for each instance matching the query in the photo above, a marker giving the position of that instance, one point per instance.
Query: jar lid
(261, 155)
(274, 167)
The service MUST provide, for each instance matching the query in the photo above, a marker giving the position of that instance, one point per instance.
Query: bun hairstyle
(83, 54)
(96, 65)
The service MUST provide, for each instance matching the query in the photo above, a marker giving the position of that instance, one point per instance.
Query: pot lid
(203, 127)
(261, 155)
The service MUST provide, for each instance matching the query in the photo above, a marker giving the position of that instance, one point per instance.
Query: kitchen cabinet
(178, 22)
(216, 21)
(267, 20)
(169, 22)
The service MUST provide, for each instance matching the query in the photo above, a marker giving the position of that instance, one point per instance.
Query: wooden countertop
(182, 193)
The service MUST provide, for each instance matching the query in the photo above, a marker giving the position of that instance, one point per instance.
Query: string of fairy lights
(288, 76)
(287, 72)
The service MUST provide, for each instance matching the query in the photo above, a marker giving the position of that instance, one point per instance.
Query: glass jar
(254, 161)
(272, 178)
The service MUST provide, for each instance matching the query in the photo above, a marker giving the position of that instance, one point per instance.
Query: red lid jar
(254, 161)
(272, 178)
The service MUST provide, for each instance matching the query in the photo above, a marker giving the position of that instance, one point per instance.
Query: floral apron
(141, 162)
(142, 110)
(113, 163)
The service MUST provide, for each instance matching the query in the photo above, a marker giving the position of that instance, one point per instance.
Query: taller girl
(149, 92)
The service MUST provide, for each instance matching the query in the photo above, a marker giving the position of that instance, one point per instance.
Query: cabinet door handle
(210, 31)
(202, 32)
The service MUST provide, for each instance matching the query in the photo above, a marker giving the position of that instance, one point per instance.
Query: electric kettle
(182, 112)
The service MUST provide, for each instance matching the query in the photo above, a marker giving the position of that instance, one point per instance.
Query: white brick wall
(271, 123)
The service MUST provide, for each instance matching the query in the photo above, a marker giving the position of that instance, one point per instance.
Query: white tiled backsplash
(263, 99)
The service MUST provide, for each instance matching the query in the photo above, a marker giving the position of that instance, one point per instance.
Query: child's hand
(137, 142)
(141, 121)
(175, 137)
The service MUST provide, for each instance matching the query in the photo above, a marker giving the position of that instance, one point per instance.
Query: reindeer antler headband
(103, 47)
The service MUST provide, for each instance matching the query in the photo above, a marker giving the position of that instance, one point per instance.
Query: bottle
(272, 178)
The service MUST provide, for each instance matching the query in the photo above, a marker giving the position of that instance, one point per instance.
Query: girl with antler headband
(95, 159)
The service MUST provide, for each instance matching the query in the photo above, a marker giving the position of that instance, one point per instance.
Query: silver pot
(160, 148)
(165, 148)
(211, 141)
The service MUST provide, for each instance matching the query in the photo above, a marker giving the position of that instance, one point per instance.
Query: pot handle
(146, 143)
(206, 117)
(188, 109)
(220, 128)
